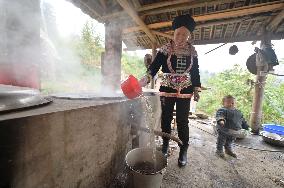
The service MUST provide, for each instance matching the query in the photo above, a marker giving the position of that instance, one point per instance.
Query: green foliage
(234, 82)
(273, 100)
(89, 47)
(133, 64)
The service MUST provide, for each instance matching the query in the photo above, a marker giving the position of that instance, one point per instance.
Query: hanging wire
(274, 74)
(215, 48)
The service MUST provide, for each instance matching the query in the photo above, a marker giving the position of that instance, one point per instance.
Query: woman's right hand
(143, 81)
(222, 123)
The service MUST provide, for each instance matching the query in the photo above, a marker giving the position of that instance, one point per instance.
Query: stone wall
(81, 147)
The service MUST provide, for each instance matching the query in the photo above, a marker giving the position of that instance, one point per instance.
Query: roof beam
(181, 5)
(133, 14)
(238, 39)
(218, 16)
(168, 6)
(136, 3)
(274, 23)
(163, 4)
(210, 24)
(148, 7)
(221, 40)
(103, 3)
(90, 6)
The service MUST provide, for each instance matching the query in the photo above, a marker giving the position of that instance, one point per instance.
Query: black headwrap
(184, 20)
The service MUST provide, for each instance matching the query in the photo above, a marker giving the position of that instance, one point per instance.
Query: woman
(180, 81)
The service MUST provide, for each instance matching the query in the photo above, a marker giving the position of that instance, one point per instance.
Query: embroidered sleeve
(221, 115)
(193, 51)
(194, 72)
(156, 64)
(165, 49)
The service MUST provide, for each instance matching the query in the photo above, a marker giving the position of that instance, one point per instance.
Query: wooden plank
(133, 14)
(218, 16)
(274, 23)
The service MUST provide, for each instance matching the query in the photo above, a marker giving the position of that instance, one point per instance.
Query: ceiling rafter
(274, 23)
(218, 15)
(133, 14)
(163, 34)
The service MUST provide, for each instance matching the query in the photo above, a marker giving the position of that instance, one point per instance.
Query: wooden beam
(163, 4)
(163, 34)
(190, 4)
(218, 15)
(150, 7)
(157, 8)
(136, 4)
(133, 14)
(103, 3)
(212, 31)
(224, 40)
(256, 112)
(114, 15)
(274, 23)
(91, 8)
(238, 39)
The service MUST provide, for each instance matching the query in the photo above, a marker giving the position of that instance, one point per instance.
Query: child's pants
(224, 140)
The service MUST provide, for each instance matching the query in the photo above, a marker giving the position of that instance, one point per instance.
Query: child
(228, 118)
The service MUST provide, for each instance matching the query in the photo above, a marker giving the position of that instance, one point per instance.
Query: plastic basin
(272, 128)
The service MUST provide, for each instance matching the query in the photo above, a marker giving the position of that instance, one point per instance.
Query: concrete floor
(251, 168)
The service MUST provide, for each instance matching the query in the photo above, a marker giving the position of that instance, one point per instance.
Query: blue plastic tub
(272, 128)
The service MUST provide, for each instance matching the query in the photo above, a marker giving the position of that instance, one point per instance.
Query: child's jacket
(233, 119)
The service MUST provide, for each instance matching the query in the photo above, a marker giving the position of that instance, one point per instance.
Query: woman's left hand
(196, 96)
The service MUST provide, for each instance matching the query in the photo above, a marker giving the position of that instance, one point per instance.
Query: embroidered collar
(169, 50)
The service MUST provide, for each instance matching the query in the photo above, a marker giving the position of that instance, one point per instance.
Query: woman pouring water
(180, 81)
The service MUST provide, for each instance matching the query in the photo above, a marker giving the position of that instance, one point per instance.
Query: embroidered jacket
(180, 70)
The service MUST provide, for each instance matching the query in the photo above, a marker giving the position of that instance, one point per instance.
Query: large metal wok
(15, 98)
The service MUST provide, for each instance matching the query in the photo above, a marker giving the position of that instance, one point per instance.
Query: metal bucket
(143, 176)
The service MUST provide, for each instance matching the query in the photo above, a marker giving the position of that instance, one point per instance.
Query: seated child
(228, 118)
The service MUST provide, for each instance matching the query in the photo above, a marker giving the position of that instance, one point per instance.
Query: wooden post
(112, 58)
(256, 113)
(154, 52)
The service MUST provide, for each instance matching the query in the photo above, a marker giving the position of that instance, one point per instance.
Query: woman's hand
(222, 123)
(143, 81)
(196, 96)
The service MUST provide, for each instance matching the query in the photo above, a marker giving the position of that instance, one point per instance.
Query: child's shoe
(230, 152)
(220, 154)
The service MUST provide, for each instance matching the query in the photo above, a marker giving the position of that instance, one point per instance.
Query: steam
(37, 56)
(62, 68)
(19, 44)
